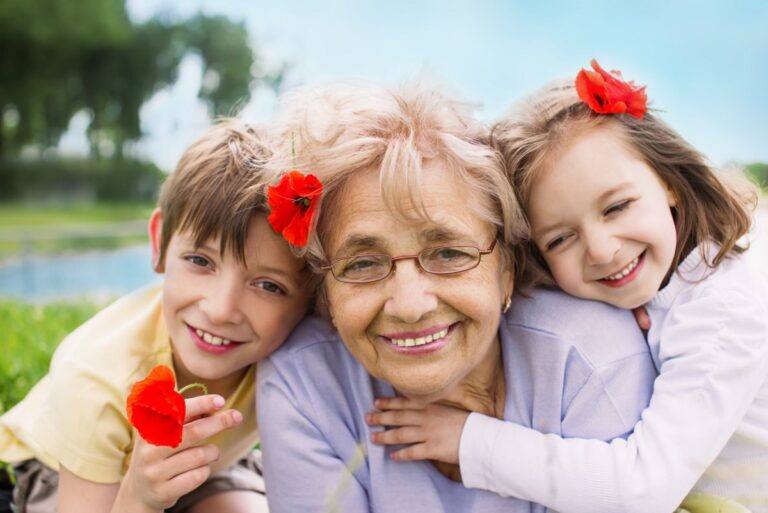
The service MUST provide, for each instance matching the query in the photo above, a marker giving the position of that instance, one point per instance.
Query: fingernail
(378, 402)
(237, 417)
(368, 418)
(218, 401)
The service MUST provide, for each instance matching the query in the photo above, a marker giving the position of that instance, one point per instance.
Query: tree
(57, 58)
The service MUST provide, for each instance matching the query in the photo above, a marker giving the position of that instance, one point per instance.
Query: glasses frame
(416, 257)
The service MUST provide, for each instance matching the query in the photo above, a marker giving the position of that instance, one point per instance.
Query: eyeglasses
(377, 266)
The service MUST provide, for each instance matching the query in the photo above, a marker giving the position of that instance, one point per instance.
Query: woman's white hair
(336, 130)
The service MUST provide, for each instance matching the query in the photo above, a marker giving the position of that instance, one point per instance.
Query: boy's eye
(271, 287)
(198, 260)
(618, 207)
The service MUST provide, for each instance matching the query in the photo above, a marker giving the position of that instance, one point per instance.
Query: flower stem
(194, 385)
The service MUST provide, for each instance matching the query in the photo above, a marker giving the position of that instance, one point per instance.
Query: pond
(98, 275)
(102, 275)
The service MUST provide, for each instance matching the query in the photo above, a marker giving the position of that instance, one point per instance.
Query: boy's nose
(222, 304)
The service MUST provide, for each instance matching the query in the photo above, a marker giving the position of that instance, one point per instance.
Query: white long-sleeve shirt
(706, 427)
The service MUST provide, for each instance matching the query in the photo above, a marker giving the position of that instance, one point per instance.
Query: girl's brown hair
(710, 206)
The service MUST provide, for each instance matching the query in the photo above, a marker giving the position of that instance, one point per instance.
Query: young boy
(232, 292)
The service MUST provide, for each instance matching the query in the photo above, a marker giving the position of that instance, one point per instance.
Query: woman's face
(451, 320)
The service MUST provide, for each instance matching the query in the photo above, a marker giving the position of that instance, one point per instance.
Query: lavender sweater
(574, 368)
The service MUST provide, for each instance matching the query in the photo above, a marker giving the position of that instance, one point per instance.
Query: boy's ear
(155, 233)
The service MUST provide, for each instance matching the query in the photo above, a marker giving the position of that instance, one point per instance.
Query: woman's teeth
(628, 269)
(212, 339)
(420, 341)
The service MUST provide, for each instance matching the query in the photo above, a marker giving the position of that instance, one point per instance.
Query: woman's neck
(483, 390)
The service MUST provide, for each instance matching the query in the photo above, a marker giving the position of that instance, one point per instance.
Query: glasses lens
(449, 259)
(362, 268)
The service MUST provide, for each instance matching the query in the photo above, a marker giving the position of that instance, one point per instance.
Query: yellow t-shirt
(76, 414)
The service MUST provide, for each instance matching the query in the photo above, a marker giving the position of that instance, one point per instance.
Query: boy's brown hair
(214, 189)
(710, 206)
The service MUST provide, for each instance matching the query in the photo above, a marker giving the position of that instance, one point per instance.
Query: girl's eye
(198, 260)
(618, 207)
(556, 242)
(271, 287)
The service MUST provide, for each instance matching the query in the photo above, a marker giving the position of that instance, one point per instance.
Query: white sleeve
(715, 361)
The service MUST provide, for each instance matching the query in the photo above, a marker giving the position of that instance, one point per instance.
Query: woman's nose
(411, 292)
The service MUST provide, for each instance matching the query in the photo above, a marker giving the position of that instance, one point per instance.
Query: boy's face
(222, 314)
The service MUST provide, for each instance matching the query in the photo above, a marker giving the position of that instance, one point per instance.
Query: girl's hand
(431, 431)
(158, 476)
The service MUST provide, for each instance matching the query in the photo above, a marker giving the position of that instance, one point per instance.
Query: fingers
(400, 436)
(642, 318)
(397, 403)
(200, 429)
(203, 405)
(396, 418)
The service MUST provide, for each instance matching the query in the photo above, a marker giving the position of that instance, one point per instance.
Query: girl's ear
(155, 234)
(671, 196)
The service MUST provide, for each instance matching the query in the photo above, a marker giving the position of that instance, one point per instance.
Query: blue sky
(705, 62)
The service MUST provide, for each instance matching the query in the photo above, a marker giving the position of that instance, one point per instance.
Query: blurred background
(98, 98)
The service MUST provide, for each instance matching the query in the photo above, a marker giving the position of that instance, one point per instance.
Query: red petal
(155, 409)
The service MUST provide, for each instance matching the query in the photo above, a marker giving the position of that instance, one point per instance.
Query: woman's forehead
(364, 220)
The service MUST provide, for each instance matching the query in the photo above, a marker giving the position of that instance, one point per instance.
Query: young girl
(624, 211)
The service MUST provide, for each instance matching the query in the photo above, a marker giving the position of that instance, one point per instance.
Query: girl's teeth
(212, 339)
(619, 275)
(420, 341)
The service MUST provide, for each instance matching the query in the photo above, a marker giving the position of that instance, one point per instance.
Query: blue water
(99, 275)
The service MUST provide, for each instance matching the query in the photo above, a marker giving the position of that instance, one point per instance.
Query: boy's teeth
(628, 269)
(420, 341)
(212, 339)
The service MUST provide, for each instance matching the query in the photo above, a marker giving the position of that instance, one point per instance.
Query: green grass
(30, 335)
(16, 215)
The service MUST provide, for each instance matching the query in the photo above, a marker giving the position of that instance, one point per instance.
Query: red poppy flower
(156, 409)
(293, 202)
(608, 93)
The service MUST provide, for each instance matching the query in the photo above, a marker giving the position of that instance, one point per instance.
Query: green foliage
(759, 173)
(80, 179)
(30, 335)
(61, 57)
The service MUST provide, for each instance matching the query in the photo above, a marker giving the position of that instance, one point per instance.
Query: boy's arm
(157, 476)
(701, 396)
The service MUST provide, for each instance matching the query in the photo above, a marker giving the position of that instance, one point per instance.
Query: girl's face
(602, 219)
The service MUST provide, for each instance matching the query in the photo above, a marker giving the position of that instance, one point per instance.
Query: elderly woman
(414, 238)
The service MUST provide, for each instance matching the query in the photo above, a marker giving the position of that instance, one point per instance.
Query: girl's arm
(715, 361)
(157, 476)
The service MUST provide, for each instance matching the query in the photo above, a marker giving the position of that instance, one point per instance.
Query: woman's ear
(155, 235)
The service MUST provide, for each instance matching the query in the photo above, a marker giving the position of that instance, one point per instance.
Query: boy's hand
(158, 476)
(433, 432)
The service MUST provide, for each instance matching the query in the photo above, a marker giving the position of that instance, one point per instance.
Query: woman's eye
(271, 287)
(618, 207)
(198, 260)
(360, 264)
(449, 254)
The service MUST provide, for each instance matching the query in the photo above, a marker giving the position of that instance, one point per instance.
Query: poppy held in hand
(608, 93)
(156, 409)
(292, 203)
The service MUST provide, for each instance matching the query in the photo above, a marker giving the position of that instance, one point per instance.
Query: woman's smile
(420, 342)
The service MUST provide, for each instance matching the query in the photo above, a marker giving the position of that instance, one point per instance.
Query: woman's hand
(158, 476)
(432, 432)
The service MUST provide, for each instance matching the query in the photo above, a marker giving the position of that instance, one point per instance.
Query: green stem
(194, 385)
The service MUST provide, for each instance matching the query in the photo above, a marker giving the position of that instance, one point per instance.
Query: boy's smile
(223, 314)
